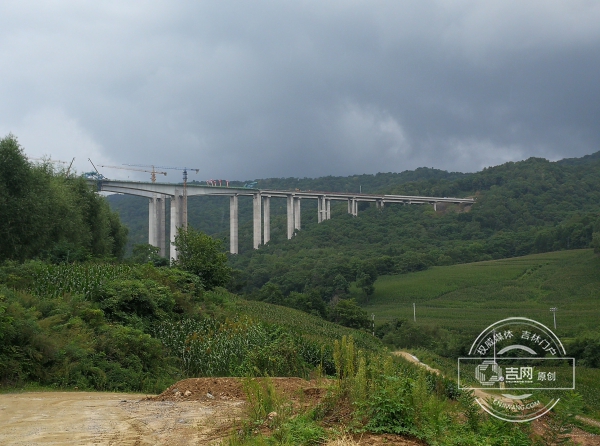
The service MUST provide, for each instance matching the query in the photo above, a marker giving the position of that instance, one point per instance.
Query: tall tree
(16, 181)
(44, 214)
(202, 255)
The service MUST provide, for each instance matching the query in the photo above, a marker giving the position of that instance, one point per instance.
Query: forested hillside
(522, 208)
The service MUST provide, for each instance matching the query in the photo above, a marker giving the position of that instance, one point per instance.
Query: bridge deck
(170, 189)
(158, 192)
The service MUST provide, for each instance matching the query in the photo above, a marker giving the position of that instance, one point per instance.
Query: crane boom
(152, 172)
(49, 160)
(185, 170)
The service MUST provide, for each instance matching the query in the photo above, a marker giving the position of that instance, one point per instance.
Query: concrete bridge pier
(177, 218)
(380, 204)
(156, 222)
(266, 218)
(353, 206)
(152, 229)
(184, 208)
(290, 216)
(162, 228)
(320, 208)
(233, 224)
(324, 208)
(257, 218)
(297, 223)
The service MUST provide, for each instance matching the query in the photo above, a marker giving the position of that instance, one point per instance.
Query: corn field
(307, 325)
(211, 348)
(52, 281)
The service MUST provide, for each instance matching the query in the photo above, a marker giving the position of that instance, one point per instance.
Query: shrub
(134, 301)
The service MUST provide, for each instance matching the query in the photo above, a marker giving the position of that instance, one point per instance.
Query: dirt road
(82, 418)
(478, 393)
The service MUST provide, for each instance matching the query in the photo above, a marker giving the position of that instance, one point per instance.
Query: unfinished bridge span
(158, 193)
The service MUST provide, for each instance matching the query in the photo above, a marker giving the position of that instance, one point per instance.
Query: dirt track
(79, 418)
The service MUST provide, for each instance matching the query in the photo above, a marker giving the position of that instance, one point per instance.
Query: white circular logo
(517, 368)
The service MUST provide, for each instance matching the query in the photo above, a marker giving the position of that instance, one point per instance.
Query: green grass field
(469, 297)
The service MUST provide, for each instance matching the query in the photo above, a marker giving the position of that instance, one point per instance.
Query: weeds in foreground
(560, 423)
(272, 421)
(388, 395)
(265, 404)
(383, 395)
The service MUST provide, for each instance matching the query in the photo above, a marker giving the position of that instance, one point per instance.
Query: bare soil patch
(192, 411)
(226, 389)
(86, 418)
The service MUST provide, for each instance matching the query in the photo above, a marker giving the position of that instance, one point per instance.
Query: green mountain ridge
(579, 161)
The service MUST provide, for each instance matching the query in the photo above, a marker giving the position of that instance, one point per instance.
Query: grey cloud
(261, 89)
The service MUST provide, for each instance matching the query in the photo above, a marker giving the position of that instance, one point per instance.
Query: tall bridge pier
(233, 224)
(158, 193)
(156, 222)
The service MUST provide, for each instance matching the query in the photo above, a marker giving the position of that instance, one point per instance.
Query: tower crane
(50, 160)
(152, 172)
(185, 177)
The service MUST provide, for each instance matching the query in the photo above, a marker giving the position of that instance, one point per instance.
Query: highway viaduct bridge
(158, 193)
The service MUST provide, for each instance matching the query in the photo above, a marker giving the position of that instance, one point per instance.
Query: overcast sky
(254, 89)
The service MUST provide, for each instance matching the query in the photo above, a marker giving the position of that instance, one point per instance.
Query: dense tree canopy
(45, 214)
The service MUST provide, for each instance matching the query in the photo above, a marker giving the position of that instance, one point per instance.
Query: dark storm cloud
(258, 89)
